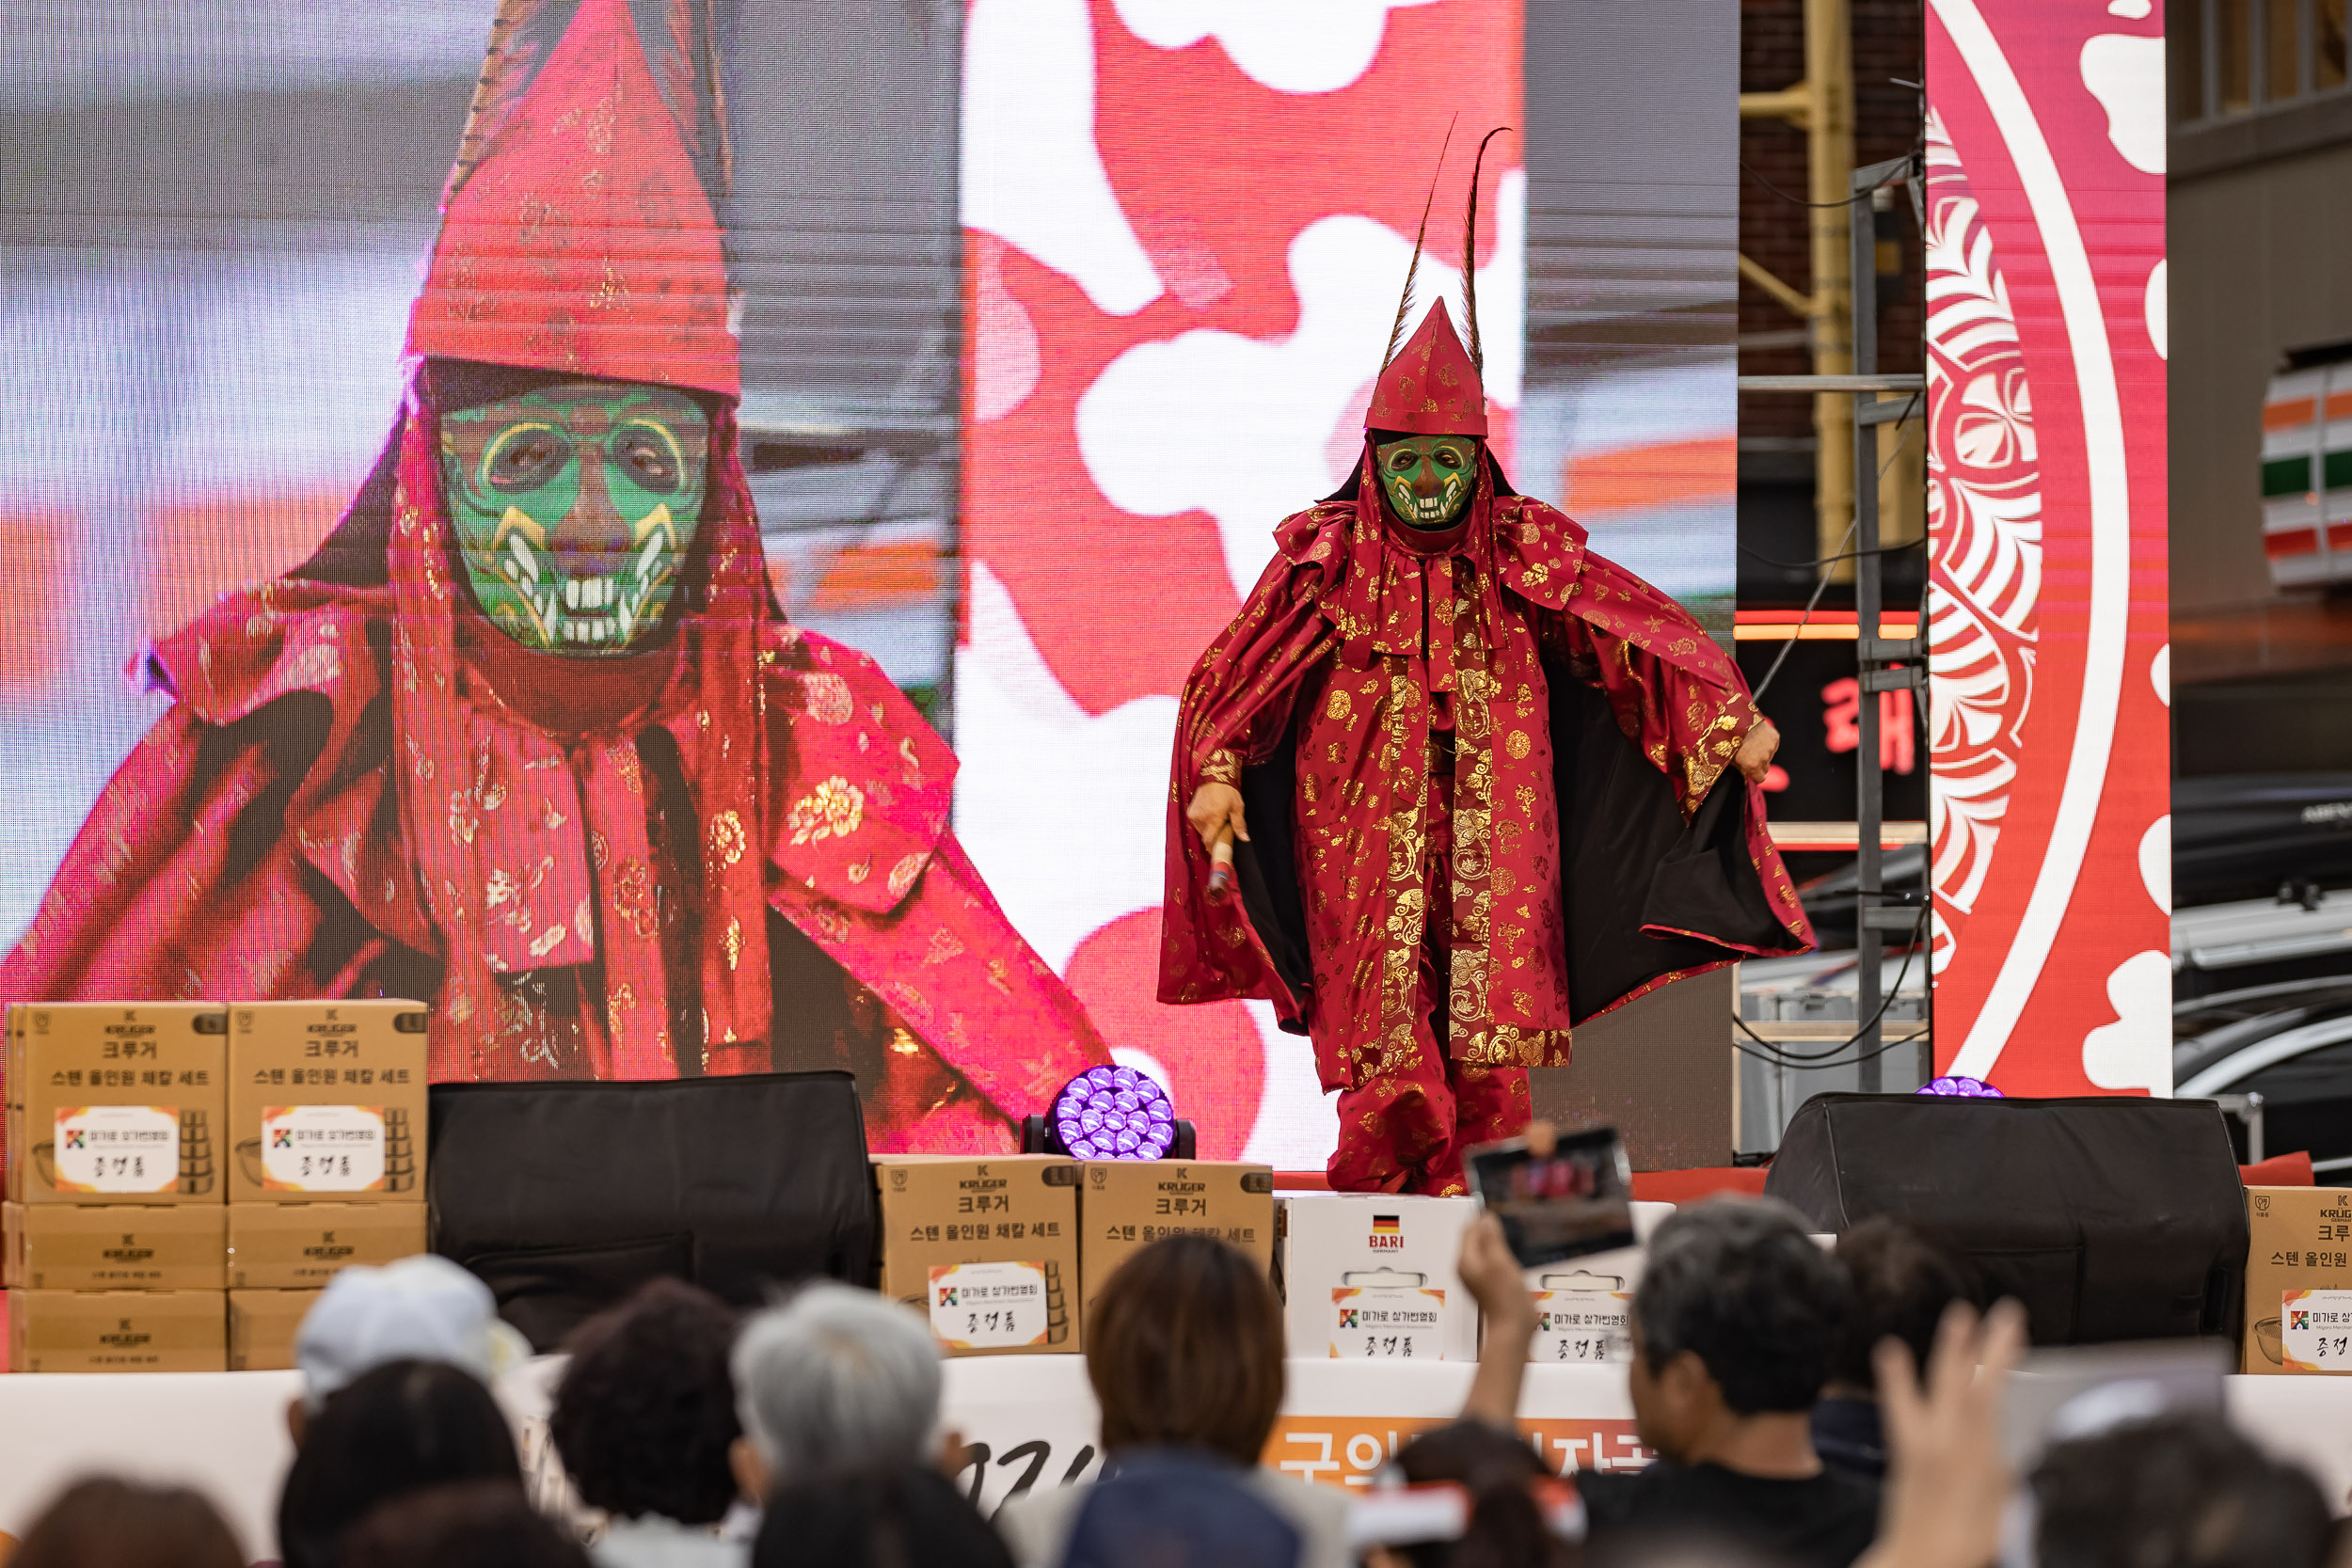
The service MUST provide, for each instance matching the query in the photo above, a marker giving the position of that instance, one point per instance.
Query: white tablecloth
(1030, 1418)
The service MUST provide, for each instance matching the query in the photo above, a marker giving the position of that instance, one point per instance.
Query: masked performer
(529, 736)
(1480, 784)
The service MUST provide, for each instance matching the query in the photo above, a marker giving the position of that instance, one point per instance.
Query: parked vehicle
(2248, 837)
(2289, 1042)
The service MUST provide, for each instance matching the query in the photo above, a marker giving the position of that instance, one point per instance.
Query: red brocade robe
(675, 862)
(1588, 855)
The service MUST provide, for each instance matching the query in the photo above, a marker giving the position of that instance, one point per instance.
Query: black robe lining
(1628, 860)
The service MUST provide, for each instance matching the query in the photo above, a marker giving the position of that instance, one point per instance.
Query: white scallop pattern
(1984, 522)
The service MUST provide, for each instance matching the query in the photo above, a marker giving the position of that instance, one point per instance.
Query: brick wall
(1772, 232)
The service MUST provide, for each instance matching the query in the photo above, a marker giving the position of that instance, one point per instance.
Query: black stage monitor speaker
(565, 1197)
(2110, 1218)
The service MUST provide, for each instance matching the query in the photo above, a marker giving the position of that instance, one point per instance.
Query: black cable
(1822, 587)
(1804, 620)
(1800, 202)
(1815, 1061)
(1808, 1066)
(1829, 560)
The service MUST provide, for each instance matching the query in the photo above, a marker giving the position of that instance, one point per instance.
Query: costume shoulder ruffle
(279, 638)
(1541, 548)
(860, 786)
(260, 643)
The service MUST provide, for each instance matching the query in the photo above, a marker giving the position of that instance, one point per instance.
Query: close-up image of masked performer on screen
(529, 735)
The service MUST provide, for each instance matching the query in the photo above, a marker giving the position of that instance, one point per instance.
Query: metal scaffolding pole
(1882, 664)
(1829, 83)
(1822, 105)
(1851, 398)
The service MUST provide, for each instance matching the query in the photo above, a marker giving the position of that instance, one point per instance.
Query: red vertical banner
(1186, 226)
(2047, 611)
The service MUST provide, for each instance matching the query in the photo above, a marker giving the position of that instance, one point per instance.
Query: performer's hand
(1216, 807)
(1754, 758)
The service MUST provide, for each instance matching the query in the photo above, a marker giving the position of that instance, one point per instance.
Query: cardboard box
(116, 1105)
(112, 1247)
(299, 1246)
(1585, 1305)
(987, 1250)
(261, 1325)
(1373, 1277)
(1124, 1205)
(326, 1102)
(118, 1331)
(2298, 1281)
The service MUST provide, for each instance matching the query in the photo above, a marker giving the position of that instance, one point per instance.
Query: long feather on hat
(1405, 305)
(1469, 256)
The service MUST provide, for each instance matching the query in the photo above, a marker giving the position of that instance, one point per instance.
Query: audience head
(1739, 1314)
(105, 1523)
(836, 1378)
(1507, 1528)
(396, 1431)
(2175, 1492)
(1185, 1350)
(646, 1414)
(1902, 1279)
(892, 1517)
(480, 1525)
(420, 1308)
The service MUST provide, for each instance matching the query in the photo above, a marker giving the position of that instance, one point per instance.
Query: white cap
(420, 1308)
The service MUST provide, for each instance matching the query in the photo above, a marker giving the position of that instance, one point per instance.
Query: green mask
(574, 506)
(1429, 479)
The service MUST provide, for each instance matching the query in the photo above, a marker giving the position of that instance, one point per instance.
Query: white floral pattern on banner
(1984, 524)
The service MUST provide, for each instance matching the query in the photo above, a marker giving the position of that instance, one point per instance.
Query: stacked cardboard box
(325, 1157)
(1125, 1205)
(987, 1250)
(2298, 1281)
(115, 1224)
(1006, 1255)
(182, 1178)
(1373, 1278)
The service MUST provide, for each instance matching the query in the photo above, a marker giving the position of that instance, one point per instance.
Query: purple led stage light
(1966, 1088)
(1115, 1113)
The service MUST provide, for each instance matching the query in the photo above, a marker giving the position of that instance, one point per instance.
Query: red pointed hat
(579, 230)
(1430, 386)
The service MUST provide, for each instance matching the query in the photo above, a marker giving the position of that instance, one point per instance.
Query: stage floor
(1030, 1419)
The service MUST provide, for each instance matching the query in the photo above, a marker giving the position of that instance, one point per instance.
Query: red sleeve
(861, 790)
(162, 893)
(1678, 696)
(1234, 707)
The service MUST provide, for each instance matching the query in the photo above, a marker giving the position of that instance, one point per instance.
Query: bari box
(115, 1104)
(987, 1250)
(1124, 1205)
(2298, 1281)
(1373, 1277)
(118, 1331)
(1585, 1305)
(299, 1246)
(326, 1100)
(261, 1325)
(112, 1247)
